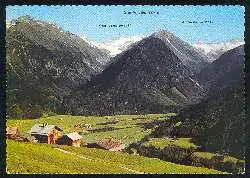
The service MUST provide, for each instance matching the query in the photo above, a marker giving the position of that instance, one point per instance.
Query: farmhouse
(111, 144)
(72, 139)
(12, 132)
(45, 133)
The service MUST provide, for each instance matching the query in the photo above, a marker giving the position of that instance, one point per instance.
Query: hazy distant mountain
(214, 50)
(211, 50)
(154, 75)
(44, 63)
(117, 46)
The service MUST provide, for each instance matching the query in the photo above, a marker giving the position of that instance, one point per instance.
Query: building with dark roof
(71, 139)
(45, 133)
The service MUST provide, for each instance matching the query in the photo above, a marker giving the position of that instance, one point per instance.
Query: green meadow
(25, 157)
(129, 128)
(43, 158)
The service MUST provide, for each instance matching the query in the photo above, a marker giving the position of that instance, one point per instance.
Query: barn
(45, 133)
(12, 132)
(111, 144)
(71, 139)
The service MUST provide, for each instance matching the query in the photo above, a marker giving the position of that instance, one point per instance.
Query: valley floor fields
(135, 131)
(129, 128)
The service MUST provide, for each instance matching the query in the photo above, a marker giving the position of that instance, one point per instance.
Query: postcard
(125, 89)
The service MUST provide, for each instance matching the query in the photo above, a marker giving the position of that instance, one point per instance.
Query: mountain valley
(170, 103)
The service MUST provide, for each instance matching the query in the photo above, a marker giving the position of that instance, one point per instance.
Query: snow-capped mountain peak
(117, 46)
(214, 50)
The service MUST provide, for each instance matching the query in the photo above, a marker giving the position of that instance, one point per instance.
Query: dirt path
(68, 152)
(83, 157)
(132, 170)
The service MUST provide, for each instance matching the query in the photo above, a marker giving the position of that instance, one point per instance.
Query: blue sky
(228, 21)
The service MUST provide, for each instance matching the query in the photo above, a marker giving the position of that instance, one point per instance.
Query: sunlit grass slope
(43, 158)
(129, 128)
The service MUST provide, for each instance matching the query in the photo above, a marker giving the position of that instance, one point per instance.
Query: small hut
(71, 139)
(74, 139)
(111, 144)
(12, 132)
(45, 133)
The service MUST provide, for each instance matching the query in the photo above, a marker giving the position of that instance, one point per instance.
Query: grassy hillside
(43, 158)
(163, 142)
(129, 128)
(184, 151)
(217, 122)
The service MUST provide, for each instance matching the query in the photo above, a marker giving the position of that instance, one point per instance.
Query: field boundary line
(132, 170)
(80, 156)
(69, 152)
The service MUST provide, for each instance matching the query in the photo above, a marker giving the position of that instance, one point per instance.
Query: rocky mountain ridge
(217, 122)
(44, 63)
(152, 76)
